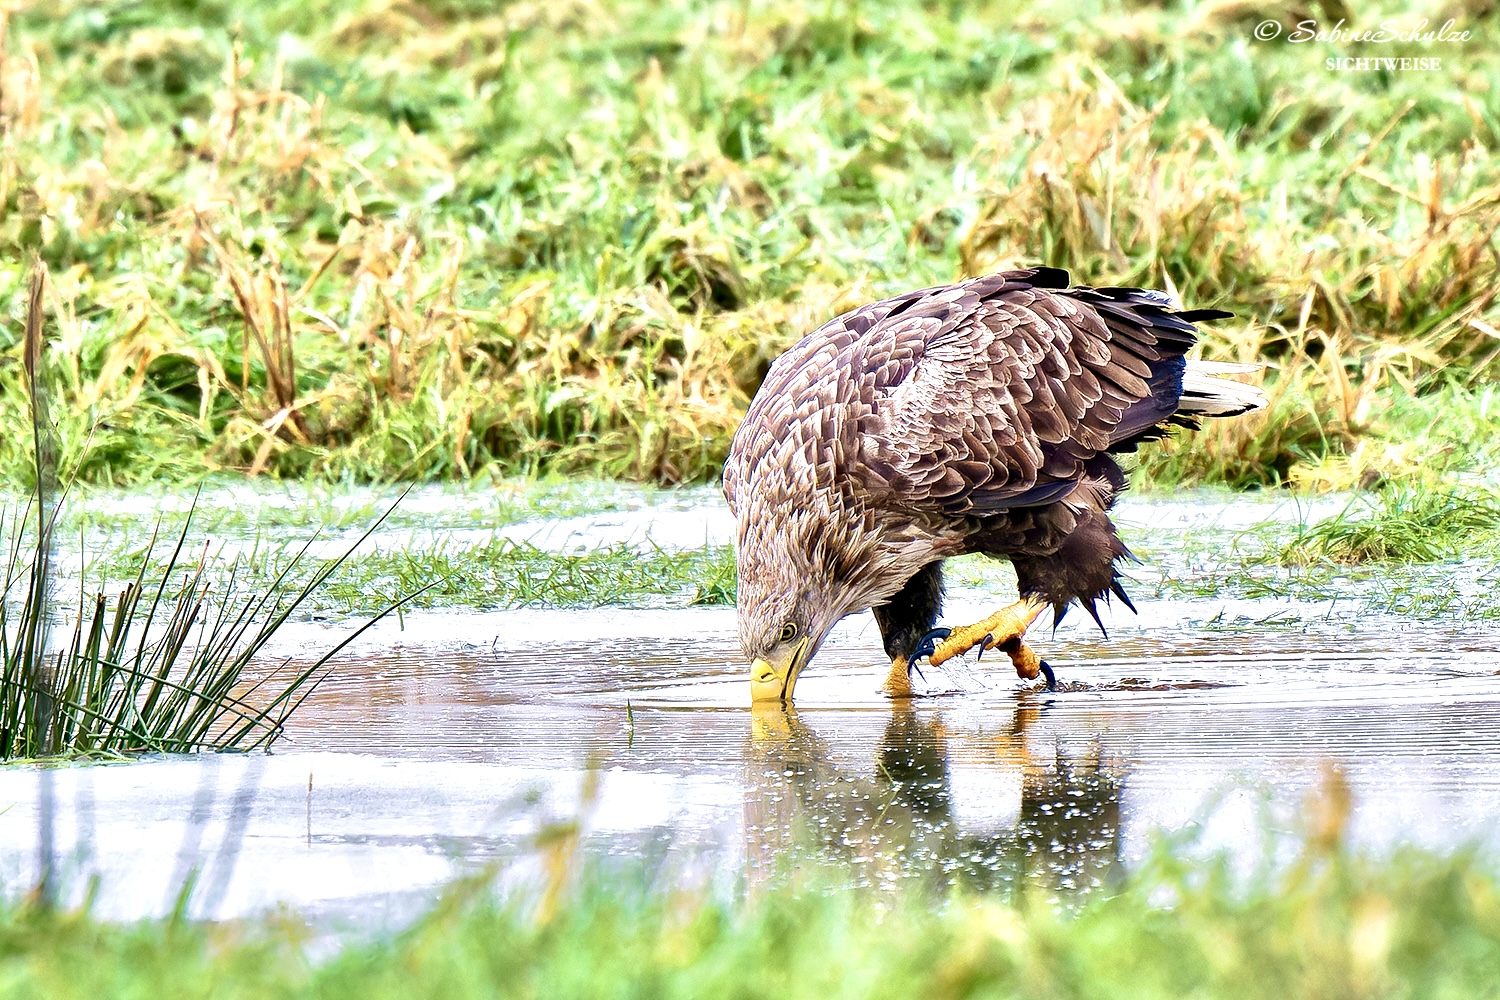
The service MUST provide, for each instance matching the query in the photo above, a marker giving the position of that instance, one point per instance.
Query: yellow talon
(1006, 629)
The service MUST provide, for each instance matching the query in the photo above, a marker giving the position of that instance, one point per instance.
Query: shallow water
(450, 741)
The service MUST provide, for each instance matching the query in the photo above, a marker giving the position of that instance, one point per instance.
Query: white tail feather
(1204, 394)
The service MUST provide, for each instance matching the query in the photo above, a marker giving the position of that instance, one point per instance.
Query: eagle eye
(788, 632)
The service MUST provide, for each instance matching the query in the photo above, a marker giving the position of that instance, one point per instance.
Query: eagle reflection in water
(899, 823)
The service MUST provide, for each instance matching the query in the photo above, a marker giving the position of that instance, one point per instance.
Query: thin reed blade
(38, 612)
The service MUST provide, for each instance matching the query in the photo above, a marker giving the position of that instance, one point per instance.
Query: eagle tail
(1206, 394)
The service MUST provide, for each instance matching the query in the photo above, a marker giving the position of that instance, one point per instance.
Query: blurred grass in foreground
(1328, 922)
(374, 240)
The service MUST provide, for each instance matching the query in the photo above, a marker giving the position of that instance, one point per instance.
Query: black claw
(927, 645)
(989, 638)
(1047, 673)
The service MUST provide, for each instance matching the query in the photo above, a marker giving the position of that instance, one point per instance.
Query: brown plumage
(976, 417)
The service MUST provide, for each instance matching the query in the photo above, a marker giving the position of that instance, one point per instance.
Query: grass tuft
(1399, 525)
(168, 665)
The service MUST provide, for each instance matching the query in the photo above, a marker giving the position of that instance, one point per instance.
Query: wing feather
(972, 398)
(1031, 380)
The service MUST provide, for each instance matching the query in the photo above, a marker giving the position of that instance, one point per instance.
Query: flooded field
(456, 738)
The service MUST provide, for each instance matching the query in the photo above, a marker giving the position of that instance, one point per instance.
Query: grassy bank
(1422, 551)
(1329, 924)
(426, 239)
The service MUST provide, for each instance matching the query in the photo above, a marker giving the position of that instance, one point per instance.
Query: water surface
(449, 741)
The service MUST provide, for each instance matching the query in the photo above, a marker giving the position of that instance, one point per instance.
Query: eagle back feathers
(962, 400)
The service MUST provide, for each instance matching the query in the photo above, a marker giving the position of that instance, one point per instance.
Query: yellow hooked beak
(774, 681)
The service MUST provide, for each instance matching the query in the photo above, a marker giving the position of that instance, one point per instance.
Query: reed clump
(170, 664)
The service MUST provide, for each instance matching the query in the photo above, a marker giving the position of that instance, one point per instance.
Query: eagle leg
(898, 681)
(903, 620)
(1004, 630)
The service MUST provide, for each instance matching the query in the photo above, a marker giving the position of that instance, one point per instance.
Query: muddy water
(448, 742)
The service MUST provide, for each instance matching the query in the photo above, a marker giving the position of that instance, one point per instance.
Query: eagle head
(804, 561)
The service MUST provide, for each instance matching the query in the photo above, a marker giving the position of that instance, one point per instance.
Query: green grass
(503, 574)
(373, 242)
(1327, 922)
(1400, 525)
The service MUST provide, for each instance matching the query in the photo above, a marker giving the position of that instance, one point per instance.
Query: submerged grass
(504, 573)
(108, 524)
(448, 543)
(375, 241)
(497, 573)
(1445, 540)
(1404, 550)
